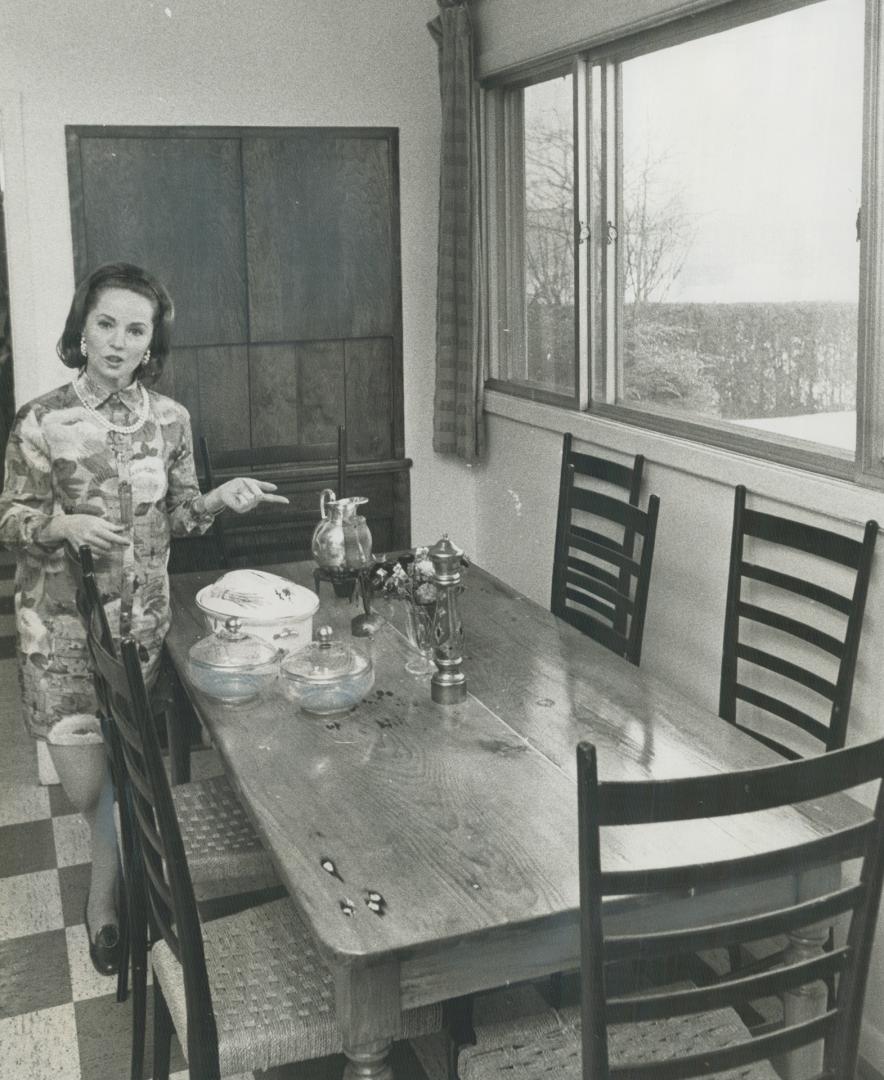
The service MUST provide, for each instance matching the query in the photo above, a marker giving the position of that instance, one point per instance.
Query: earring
(83, 350)
(145, 360)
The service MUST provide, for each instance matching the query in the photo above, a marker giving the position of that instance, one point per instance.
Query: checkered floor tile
(59, 1019)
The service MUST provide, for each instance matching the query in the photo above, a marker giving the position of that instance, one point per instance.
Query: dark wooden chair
(227, 857)
(246, 991)
(599, 584)
(685, 1031)
(279, 533)
(774, 611)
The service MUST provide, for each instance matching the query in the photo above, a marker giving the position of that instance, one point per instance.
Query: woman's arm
(29, 520)
(191, 512)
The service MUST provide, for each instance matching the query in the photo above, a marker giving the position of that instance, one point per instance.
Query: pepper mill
(449, 685)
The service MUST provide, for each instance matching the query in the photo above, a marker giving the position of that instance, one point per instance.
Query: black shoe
(104, 948)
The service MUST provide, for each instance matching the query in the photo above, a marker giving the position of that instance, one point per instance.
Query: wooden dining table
(433, 848)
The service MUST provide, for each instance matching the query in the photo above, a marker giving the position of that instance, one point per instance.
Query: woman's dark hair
(119, 276)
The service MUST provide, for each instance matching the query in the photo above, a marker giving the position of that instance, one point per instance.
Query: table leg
(367, 1000)
(369, 1062)
(804, 1003)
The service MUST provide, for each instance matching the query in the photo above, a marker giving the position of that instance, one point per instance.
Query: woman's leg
(80, 758)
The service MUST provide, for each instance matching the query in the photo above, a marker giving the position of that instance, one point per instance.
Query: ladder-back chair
(680, 1032)
(599, 584)
(247, 991)
(227, 857)
(790, 600)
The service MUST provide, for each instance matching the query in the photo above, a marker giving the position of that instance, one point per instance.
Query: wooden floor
(58, 1018)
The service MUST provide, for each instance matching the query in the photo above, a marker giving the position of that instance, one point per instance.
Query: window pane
(546, 300)
(739, 255)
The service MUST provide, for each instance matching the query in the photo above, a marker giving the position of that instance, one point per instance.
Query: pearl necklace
(120, 429)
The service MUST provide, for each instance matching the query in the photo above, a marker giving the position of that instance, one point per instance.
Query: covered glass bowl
(326, 677)
(231, 665)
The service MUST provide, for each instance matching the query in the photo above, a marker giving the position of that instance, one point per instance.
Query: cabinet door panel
(174, 206)
(213, 385)
(319, 237)
(297, 393)
(369, 367)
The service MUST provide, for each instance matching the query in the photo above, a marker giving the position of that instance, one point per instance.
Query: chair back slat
(604, 506)
(715, 1062)
(811, 613)
(782, 709)
(627, 477)
(847, 843)
(604, 595)
(580, 568)
(753, 928)
(809, 888)
(808, 589)
(777, 621)
(744, 791)
(602, 547)
(810, 539)
(167, 877)
(582, 583)
(637, 1008)
(788, 670)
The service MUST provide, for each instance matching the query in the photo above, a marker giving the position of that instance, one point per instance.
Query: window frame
(597, 369)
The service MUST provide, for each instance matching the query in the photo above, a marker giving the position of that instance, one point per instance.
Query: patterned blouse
(62, 460)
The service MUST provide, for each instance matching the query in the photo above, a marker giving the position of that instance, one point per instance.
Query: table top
(463, 819)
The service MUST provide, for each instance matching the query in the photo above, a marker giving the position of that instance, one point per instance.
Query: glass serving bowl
(326, 677)
(231, 665)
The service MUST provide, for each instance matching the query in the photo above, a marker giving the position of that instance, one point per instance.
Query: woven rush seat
(273, 995)
(218, 837)
(547, 1045)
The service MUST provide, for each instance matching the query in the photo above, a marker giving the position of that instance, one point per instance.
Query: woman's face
(118, 331)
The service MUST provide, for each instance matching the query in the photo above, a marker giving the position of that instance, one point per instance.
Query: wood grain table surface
(463, 819)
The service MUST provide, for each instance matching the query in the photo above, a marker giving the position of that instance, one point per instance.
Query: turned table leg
(367, 999)
(369, 1062)
(804, 1003)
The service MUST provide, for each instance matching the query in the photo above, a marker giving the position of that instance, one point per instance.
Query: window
(679, 241)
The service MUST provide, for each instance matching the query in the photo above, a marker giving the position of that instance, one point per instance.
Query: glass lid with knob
(327, 676)
(231, 665)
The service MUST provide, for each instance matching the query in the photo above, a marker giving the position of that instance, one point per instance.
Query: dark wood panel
(213, 385)
(173, 206)
(224, 396)
(297, 393)
(321, 391)
(320, 216)
(369, 388)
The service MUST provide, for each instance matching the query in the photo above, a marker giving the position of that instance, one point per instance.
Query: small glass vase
(419, 622)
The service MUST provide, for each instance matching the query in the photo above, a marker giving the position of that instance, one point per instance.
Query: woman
(107, 462)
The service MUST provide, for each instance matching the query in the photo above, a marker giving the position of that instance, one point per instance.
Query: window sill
(841, 500)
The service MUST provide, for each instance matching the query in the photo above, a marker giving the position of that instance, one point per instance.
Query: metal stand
(345, 583)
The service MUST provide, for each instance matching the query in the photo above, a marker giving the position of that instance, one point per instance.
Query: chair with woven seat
(599, 584)
(246, 991)
(774, 612)
(682, 1032)
(227, 857)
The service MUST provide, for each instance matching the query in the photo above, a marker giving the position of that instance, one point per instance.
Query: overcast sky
(757, 132)
(761, 129)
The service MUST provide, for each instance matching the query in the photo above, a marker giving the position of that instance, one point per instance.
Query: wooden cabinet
(280, 248)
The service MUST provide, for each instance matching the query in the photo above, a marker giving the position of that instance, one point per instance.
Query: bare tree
(659, 233)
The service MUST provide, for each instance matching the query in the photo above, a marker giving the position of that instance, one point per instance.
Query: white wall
(223, 62)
